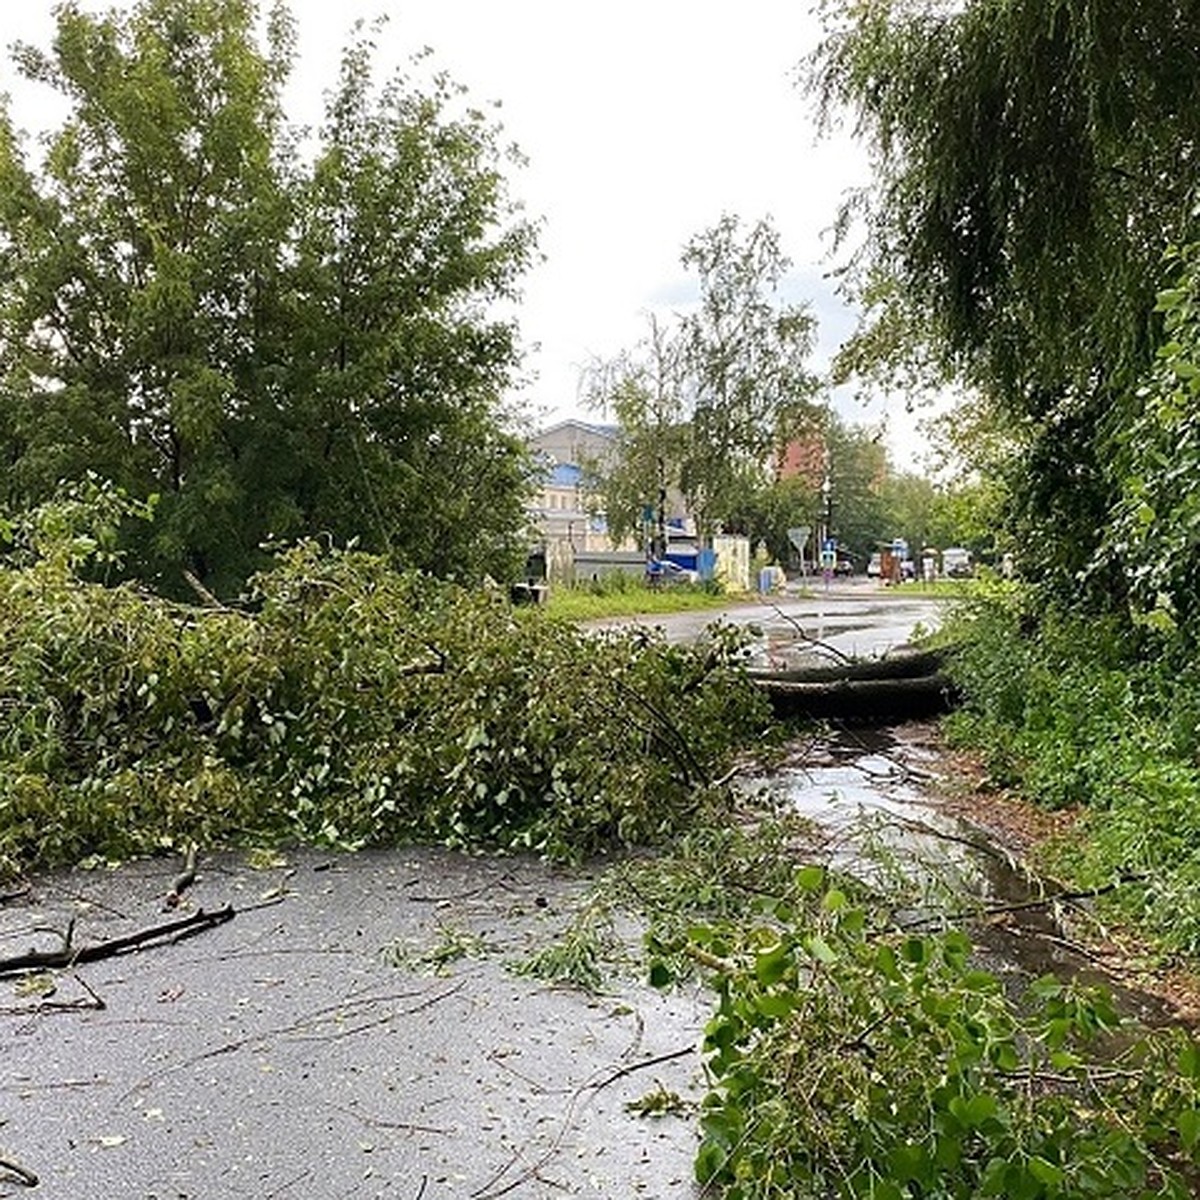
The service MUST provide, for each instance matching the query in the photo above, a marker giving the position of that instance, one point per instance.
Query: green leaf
(772, 964)
(661, 976)
(1045, 1172)
(1188, 1122)
(820, 949)
(810, 879)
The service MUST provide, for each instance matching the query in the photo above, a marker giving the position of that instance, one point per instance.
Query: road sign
(799, 536)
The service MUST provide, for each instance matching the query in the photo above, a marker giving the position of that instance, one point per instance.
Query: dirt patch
(961, 786)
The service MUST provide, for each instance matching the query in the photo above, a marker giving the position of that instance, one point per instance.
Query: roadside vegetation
(621, 596)
(1066, 307)
(1087, 714)
(856, 1052)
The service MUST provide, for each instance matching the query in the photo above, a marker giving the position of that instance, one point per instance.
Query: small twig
(657, 1060)
(91, 1002)
(499, 881)
(833, 651)
(24, 1174)
(87, 901)
(715, 963)
(19, 894)
(371, 1122)
(206, 597)
(983, 913)
(490, 1190)
(957, 839)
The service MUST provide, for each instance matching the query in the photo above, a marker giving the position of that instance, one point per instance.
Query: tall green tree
(706, 403)
(858, 467)
(275, 344)
(745, 351)
(643, 391)
(1033, 161)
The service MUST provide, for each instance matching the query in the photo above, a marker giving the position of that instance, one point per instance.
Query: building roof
(608, 431)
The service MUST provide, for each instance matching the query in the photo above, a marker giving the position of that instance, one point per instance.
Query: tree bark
(902, 686)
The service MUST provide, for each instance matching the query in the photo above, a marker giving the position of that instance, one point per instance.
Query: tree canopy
(706, 400)
(277, 335)
(1034, 160)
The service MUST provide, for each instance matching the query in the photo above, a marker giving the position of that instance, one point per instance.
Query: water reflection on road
(877, 815)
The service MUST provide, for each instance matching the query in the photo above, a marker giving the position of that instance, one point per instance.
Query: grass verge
(583, 604)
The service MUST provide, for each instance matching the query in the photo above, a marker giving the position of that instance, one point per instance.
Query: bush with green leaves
(849, 1059)
(345, 702)
(1095, 714)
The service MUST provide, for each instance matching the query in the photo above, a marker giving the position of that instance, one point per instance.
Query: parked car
(875, 566)
(673, 573)
(956, 562)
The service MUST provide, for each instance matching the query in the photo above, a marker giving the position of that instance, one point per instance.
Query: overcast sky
(643, 121)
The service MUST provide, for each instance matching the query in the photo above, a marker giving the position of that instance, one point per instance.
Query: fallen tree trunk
(902, 663)
(909, 684)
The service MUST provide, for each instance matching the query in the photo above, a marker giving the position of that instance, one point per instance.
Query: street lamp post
(828, 551)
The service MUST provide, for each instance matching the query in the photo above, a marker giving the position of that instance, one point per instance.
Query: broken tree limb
(848, 698)
(69, 956)
(817, 643)
(183, 880)
(989, 911)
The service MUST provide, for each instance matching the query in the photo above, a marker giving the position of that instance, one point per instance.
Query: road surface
(853, 617)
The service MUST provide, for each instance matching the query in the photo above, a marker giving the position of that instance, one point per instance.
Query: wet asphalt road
(282, 1055)
(854, 617)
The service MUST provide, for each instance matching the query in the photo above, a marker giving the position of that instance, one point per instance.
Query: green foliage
(1154, 528)
(276, 346)
(703, 406)
(1087, 713)
(350, 704)
(451, 944)
(745, 354)
(579, 955)
(644, 391)
(851, 1060)
(1036, 286)
(858, 470)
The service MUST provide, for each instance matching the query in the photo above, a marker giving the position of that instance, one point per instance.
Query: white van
(956, 562)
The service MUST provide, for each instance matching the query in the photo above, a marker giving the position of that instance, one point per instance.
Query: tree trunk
(903, 685)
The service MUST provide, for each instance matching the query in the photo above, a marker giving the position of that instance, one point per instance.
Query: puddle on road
(824, 638)
(868, 794)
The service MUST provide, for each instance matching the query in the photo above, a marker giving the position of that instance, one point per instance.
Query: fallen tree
(907, 683)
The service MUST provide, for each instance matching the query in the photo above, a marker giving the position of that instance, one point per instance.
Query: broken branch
(23, 1174)
(41, 960)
